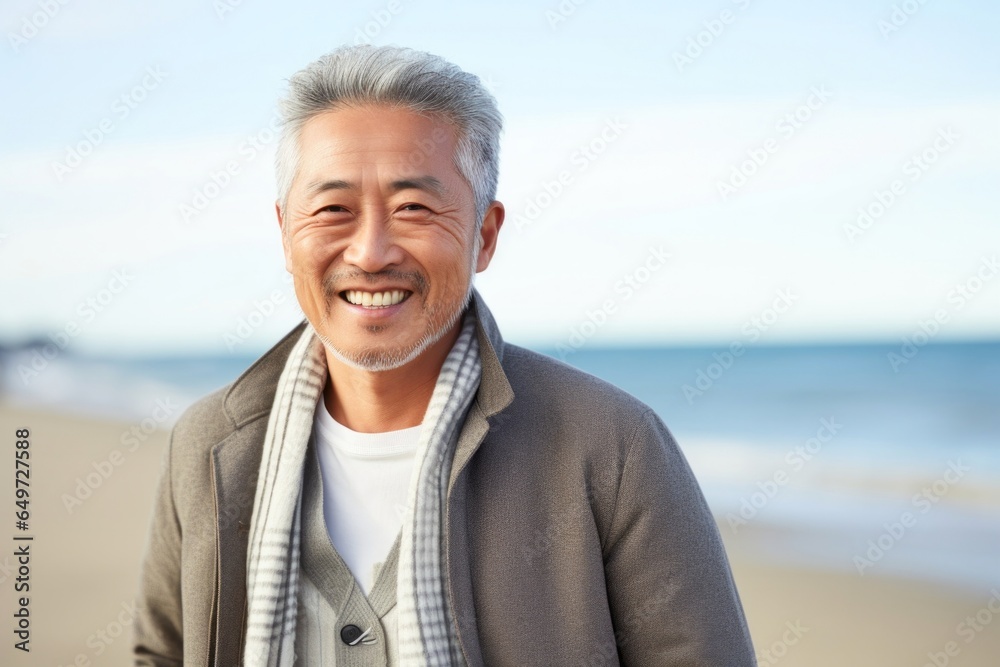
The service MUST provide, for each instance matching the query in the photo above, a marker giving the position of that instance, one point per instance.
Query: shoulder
(584, 436)
(542, 376)
(204, 423)
(246, 400)
(236, 413)
(570, 397)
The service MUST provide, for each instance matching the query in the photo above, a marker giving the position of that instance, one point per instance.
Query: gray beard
(387, 360)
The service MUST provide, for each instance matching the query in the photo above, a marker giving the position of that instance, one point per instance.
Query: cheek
(445, 274)
(312, 254)
(443, 254)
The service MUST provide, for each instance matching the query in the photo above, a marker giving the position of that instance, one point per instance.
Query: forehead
(388, 136)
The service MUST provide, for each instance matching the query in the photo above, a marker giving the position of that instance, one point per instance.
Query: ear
(487, 240)
(284, 236)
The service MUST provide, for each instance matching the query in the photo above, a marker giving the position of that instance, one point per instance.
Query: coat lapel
(235, 467)
(494, 392)
(494, 395)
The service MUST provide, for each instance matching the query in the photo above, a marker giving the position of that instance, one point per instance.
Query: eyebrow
(426, 183)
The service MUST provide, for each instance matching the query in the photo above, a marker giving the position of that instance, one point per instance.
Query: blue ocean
(855, 457)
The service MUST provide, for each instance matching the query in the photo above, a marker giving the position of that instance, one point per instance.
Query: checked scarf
(425, 621)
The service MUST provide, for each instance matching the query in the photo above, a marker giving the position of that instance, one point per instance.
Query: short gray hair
(397, 77)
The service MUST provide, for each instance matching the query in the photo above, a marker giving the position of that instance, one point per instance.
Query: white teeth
(375, 299)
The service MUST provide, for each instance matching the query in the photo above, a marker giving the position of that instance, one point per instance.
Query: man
(392, 483)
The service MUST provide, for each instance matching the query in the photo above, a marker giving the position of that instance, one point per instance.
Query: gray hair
(399, 77)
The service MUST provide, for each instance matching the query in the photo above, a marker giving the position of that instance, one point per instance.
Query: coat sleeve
(157, 629)
(670, 589)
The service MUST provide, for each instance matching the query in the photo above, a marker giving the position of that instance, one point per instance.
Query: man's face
(379, 233)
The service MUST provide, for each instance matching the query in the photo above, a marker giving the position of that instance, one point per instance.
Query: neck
(380, 401)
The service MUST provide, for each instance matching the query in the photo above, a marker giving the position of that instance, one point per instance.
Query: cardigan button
(349, 634)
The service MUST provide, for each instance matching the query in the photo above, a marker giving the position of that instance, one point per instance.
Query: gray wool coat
(575, 531)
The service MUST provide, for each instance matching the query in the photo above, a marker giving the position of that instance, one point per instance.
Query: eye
(333, 213)
(414, 212)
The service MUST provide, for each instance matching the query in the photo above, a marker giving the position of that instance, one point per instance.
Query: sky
(690, 173)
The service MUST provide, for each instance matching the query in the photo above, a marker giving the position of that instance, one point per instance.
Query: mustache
(413, 279)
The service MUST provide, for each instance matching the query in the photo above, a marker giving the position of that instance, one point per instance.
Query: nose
(372, 246)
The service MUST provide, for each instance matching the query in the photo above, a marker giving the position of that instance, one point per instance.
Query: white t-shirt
(366, 479)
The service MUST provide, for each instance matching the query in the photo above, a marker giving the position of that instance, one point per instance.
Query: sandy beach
(90, 507)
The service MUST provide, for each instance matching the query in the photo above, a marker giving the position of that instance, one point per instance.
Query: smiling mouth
(382, 299)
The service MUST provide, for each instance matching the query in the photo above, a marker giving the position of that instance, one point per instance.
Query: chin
(388, 355)
(380, 357)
